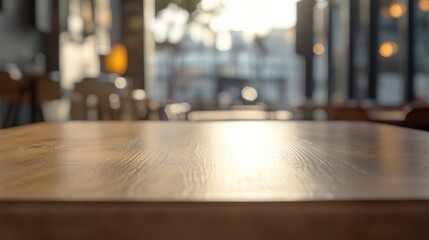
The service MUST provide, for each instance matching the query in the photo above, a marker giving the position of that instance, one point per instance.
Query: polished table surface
(214, 180)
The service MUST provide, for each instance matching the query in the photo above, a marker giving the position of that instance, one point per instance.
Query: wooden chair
(17, 93)
(14, 93)
(91, 101)
(47, 90)
(417, 118)
(11, 90)
(344, 113)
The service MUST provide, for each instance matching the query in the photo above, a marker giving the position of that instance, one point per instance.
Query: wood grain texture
(218, 161)
(214, 180)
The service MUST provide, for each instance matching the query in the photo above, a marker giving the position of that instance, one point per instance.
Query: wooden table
(214, 180)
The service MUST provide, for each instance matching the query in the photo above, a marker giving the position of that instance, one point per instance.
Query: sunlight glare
(255, 16)
(223, 41)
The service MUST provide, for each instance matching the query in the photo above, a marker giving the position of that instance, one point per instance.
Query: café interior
(214, 119)
(190, 60)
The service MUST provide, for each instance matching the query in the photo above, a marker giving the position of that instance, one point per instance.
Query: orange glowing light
(117, 60)
(318, 49)
(397, 10)
(424, 5)
(388, 49)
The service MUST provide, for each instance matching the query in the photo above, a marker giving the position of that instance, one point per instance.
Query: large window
(213, 50)
(379, 47)
(392, 52)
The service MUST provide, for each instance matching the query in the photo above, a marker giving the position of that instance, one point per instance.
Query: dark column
(309, 82)
(353, 28)
(304, 41)
(330, 52)
(116, 34)
(409, 79)
(373, 49)
(132, 38)
(51, 39)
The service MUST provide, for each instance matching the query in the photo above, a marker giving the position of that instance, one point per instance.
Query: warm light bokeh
(117, 60)
(397, 10)
(318, 49)
(424, 5)
(388, 49)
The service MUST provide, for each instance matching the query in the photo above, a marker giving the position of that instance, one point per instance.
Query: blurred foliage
(188, 5)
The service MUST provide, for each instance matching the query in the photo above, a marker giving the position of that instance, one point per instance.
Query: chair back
(349, 114)
(92, 99)
(417, 118)
(11, 90)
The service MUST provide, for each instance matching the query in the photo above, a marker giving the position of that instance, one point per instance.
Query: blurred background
(196, 60)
